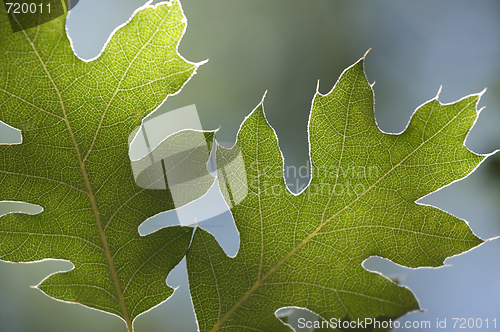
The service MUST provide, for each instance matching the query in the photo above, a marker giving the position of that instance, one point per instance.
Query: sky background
(284, 47)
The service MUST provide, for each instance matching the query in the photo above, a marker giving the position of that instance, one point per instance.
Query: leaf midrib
(259, 282)
(88, 186)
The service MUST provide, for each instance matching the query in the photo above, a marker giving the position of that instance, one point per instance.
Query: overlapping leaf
(307, 250)
(76, 118)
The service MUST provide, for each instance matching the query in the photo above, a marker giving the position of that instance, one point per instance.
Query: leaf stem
(63, 2)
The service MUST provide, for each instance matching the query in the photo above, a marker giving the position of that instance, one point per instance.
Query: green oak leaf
(307, 250)
(76, 118)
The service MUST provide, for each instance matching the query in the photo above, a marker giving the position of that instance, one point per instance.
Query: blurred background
(285, 47)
